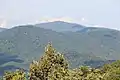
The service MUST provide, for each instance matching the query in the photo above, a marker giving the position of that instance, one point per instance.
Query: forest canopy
(53, 66)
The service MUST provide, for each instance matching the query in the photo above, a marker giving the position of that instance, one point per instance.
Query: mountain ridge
(28, 43)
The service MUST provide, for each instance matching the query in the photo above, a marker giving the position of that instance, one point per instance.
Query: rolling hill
(98, 45)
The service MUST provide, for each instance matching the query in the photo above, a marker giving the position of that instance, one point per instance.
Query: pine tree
(51, 63)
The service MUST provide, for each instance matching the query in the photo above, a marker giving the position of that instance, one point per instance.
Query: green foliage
(112, 70)
(51, 62)
(29, 41)
(53, 66)
(17, 75)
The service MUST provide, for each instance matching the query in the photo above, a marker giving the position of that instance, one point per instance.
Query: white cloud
(48, 19)
(98, 26)
(64, 18)
(3, 23)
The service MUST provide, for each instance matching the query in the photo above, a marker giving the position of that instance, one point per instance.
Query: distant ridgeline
(80, 45)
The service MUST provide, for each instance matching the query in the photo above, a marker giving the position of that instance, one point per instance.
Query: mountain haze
(81, 45)
(60, 26)
(2, 29)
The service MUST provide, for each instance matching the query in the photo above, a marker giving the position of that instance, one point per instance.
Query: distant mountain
(2, 29)
(28, 43)
(60, 26)
(80, 47)
(106, 38)
(91, 29)
(6, 58)
(88, 29)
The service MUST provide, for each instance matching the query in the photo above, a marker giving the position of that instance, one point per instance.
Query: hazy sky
(89, 12)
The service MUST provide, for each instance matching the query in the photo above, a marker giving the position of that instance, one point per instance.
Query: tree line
(53, 66)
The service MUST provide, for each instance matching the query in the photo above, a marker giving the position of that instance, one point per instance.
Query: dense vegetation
(81, 45)
(53, 66)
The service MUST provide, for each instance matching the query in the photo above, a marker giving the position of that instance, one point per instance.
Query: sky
(97, 13)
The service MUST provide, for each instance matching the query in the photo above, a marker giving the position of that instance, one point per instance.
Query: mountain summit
(60, 26)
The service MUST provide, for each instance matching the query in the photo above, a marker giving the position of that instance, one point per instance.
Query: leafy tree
(17, 75)
(112, 71)
(52, 63)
